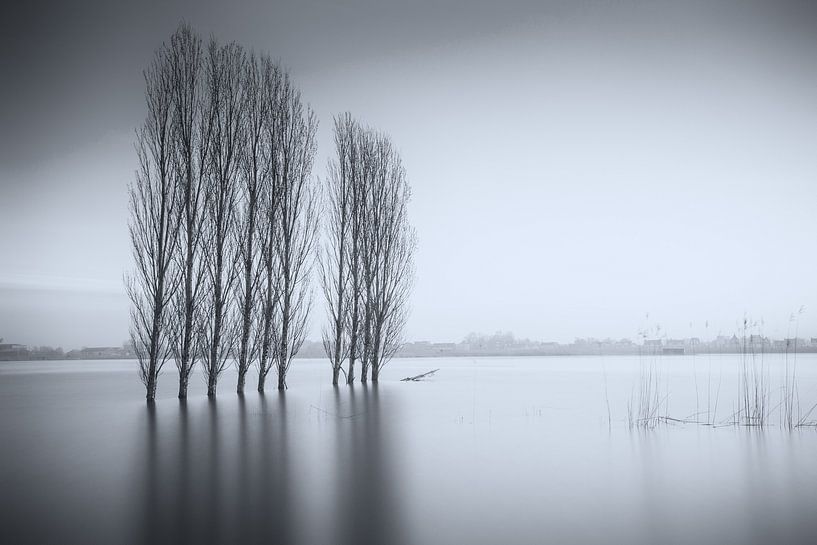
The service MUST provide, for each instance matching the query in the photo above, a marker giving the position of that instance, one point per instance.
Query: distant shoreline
(475, 345)
(453, 354)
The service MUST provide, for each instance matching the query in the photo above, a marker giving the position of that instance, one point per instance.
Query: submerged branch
(418, 378)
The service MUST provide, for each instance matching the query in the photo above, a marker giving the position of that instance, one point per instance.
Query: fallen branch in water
(419, 377)
(338, 416)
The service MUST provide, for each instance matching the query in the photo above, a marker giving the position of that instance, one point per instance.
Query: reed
(644, 406)
(753, 385)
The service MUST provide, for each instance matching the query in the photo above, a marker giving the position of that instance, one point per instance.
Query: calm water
(491, 450)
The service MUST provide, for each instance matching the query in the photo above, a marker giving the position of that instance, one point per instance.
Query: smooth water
(488, 451)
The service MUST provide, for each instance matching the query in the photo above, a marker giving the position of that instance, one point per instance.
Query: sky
(578, 169)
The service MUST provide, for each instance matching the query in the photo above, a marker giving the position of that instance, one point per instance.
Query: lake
(487, 451)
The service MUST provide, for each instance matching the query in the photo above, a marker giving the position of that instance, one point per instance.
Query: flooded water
(490, 450)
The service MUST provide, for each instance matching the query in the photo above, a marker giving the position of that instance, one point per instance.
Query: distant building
(674, 347)
(11, 352)
(444, 347)
(100, 353)
(758, 341)
(463, 347)
(652, 346)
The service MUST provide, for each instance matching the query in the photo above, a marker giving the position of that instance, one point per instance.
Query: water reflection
(366, 496)
(735, 484)
(81, 463)
(273, 498)
(150, 520)
(183, 469)
(227, 471)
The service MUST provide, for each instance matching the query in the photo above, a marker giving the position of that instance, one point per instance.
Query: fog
(574, 167)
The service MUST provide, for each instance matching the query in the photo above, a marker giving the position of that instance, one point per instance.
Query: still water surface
(491, 450)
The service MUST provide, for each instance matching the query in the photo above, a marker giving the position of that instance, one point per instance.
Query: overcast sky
(575, 165)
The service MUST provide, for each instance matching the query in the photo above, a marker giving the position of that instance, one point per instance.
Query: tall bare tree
(254, 174)
(192, 130)
(389, 243)
(268, 288)
(153, 227)
(335, 269)
(355, 294)
(369, 215)
(293, 147)
(219, 330)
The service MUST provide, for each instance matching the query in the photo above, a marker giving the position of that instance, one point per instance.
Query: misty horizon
(655, 334)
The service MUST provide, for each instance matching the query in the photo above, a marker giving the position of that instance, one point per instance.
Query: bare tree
(219, 330)
(293, 147)
(335, 269)
(153, 227)
(269, 288)
(192, 130)
(356, 296)
(369, 215)
(254, 173)
(389, 243)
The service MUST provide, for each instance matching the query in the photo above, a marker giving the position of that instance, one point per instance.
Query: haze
(575, 166)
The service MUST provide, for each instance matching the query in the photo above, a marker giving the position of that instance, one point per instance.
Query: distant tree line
(224, 224)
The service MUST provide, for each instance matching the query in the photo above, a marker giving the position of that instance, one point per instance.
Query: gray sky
(575, 165)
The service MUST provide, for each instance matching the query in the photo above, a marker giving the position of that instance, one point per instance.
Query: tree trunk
(335, 373)
(151, 388)
(282, 383)
(187, 328)
(246, 318)
(375, 364)
(242, 365)
(184, 378)
(211, 385)
(242, 374)
(350, 378)
(261, 379)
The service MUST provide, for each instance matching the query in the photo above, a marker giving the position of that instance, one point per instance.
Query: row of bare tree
(224, 224)
(223, 215)
(366, 263)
